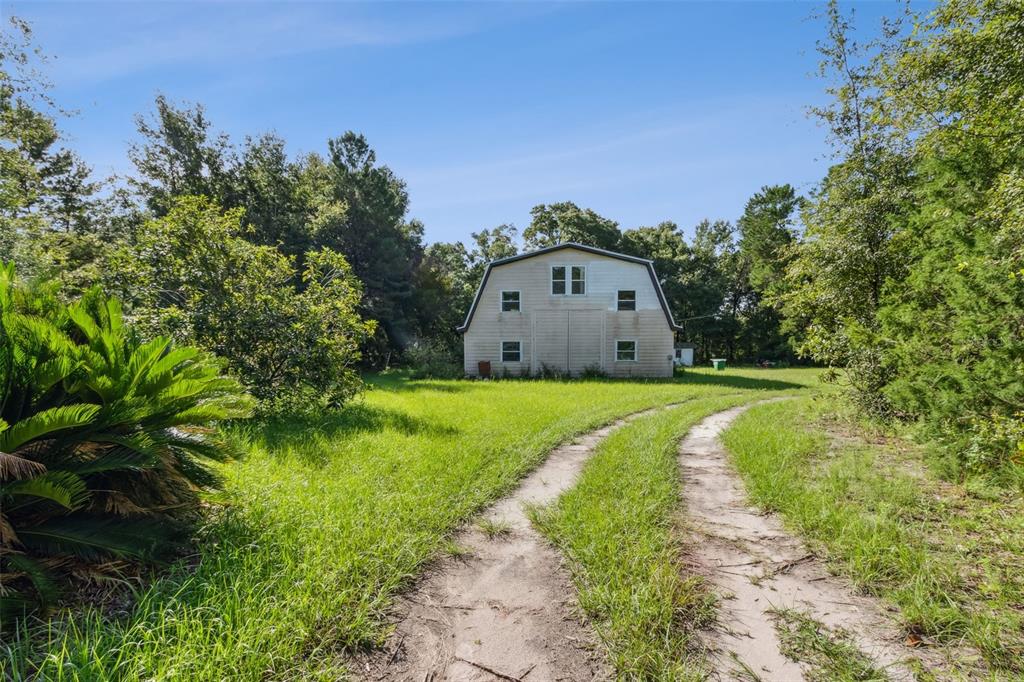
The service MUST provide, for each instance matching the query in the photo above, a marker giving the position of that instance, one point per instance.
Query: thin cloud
(115, 40)
(714, 119)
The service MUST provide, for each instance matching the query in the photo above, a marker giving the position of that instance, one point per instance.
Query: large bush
(104, 441)
(954, 326)
(911, 272)
(292, 336)
(433, 361)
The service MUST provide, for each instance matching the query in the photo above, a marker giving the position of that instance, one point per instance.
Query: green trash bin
(718, 363)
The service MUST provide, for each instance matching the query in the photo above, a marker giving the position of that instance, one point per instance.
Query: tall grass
(952, 562)
(326, 519)
(618, 527)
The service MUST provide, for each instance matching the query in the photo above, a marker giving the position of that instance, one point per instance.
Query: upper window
(625, 351)
(627, 299)
(511, 351)
(510, 302)
(558, 280)
(579, 280)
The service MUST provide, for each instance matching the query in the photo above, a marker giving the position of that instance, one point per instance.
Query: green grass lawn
(618, 528)
(949, 557)
(325, 520)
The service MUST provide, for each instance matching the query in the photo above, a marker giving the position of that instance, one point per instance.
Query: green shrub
(996, 444)
(104, 441)
(432, 361)
(550, 372)
(292, 334)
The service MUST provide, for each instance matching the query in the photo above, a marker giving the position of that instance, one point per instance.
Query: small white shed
(683, 354)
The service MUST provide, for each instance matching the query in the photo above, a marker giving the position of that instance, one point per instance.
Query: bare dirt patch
(758, 568)
(506, 607)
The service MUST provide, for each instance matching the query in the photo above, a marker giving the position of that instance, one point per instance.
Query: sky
(644, 112)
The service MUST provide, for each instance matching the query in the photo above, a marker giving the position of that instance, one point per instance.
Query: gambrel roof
(649, 264)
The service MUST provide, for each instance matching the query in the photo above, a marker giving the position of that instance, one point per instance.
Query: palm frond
(94, 538)
(54, 370)
(46, 422)
(61, 487)
(83, 320)
(8, 536)
(13, 467)
(142, 360)
(115, 457)
(172, 359)
(16, 605)
(204, 443)
(41, 579)
(37, 333)
(209, 412)
(116, 502)
(108, 440)
(197, 474)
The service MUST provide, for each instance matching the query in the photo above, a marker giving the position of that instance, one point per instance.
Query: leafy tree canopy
(290, 334)
(566, 222)
(44, 188)
(767, 233)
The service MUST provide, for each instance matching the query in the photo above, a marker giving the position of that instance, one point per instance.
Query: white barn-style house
(570, 308)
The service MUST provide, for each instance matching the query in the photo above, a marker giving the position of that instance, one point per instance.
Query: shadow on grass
(735, 381)
(400, 381)
(286, 430)
(207, 577)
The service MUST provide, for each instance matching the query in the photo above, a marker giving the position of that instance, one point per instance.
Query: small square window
(627, 299)
(579, 280)
(558, 280)
(511, 351)
(510, 302)
(625, 351)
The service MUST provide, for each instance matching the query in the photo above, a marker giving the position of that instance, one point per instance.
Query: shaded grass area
(325, 520)
(950, 557)
(828, 655)
(618, 529)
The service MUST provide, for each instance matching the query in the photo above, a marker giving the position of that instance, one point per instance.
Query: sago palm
(104, 440)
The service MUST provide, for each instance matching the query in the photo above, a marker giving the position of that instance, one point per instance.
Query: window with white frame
(579, 280)
(627, 299)
(568, 279)
(511, 351)
(510, 302)
(557, 280)
(625, 350)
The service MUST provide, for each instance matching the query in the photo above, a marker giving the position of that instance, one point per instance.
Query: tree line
(901, 271)
(909, 278)
(300, 270)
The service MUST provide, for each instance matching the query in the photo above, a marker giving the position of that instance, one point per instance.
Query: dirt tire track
(757, 566)
(508, 609)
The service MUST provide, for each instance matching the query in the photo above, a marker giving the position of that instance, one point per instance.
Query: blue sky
(643, 112)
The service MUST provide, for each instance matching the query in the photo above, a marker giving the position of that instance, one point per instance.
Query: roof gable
(579, 247)
(571, 245)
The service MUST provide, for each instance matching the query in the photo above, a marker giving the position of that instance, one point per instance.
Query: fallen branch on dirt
(787, 566)
(492, 671)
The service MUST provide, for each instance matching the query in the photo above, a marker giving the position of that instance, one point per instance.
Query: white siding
(571, 332)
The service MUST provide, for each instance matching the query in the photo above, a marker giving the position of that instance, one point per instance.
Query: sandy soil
(507, 610)
(757, 566)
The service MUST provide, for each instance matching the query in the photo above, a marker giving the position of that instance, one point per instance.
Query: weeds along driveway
(763, 573)
(328, 519)
(945, 557)
(619, 529)
(501, 605)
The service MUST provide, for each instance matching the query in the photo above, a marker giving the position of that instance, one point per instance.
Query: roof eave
(581, 247)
